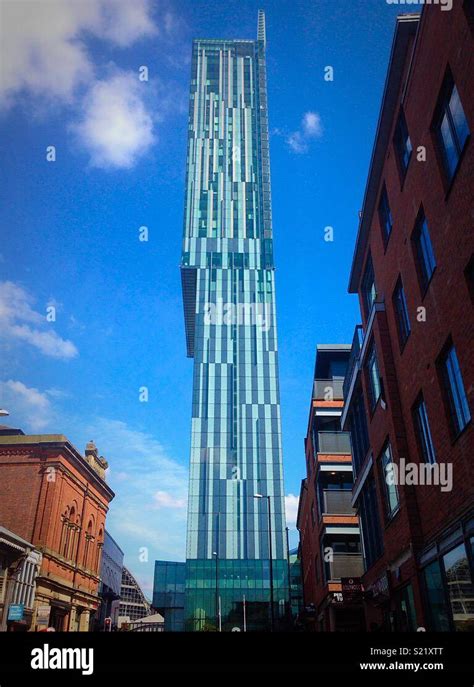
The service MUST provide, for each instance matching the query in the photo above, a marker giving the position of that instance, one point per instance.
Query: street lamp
(3, 412)
(272, 611)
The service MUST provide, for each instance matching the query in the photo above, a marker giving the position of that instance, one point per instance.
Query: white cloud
(126, 21)
(296, 142)
(116, 127)
(311, 127)
(17, 318)
(291, 509)
(43, 46)
(45, 55)
(165, 500)
(26, 404)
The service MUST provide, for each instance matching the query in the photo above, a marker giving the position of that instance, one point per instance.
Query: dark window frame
(368, 273)
(424, 279)
(456, 430)
(402, 316)
(385, 216)
(426, 449)
(389, 512)
(402, 145)
(443, 110)
(372, 353)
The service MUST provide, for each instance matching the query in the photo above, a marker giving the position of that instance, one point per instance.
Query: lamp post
(3, 412)
(272, 610)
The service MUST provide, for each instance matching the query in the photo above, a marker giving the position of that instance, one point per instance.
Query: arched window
(89, 539)
(100, 544)
(64, 532)
(70, 547)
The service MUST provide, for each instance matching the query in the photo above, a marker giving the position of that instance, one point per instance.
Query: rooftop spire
(261, 34)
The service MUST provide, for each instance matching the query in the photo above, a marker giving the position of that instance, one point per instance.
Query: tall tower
(229, 305)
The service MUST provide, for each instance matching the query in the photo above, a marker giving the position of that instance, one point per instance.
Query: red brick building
(327, 522)
(409, 391)
(57, 499)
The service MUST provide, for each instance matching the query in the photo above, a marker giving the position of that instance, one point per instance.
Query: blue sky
(70, 227)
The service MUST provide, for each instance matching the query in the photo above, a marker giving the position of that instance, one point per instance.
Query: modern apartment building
(236, 547)
(327, 523)
(409, 388)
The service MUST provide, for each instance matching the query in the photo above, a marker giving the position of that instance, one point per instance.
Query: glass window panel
(391, 491)
(436, 601)
(460, 588)
(424, 433)
(460, 413)
(459, 118)
(450, 151)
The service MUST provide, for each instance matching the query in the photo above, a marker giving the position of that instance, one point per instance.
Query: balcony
(328, 389)
(334, 442)
(337, 502)
(345, 565)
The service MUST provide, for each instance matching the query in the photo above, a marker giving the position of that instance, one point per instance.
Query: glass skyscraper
(228, 283)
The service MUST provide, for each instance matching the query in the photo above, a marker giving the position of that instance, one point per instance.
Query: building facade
(168, 593)
(110, 584)
(57, 499)
(236, 549)
(409, 390)
(133, 603)
(327, 522)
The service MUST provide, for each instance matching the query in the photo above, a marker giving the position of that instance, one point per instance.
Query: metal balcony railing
(337, 502)
(334, 442)
(355, 352)
(345, 565)
(328, 389)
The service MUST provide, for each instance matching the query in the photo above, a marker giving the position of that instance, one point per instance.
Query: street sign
(15, 611)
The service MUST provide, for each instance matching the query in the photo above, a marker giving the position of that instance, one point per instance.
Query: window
(389, 481)
(385, 216)
(369, 292)
(424, 251)
(402, 143)
(401, 312)
(451, 127)
(358, 430)
(423, 432)
(370, 522)
(436, 602)
(405, 615)
(459, 587)
(458, 406)
(375, 384)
